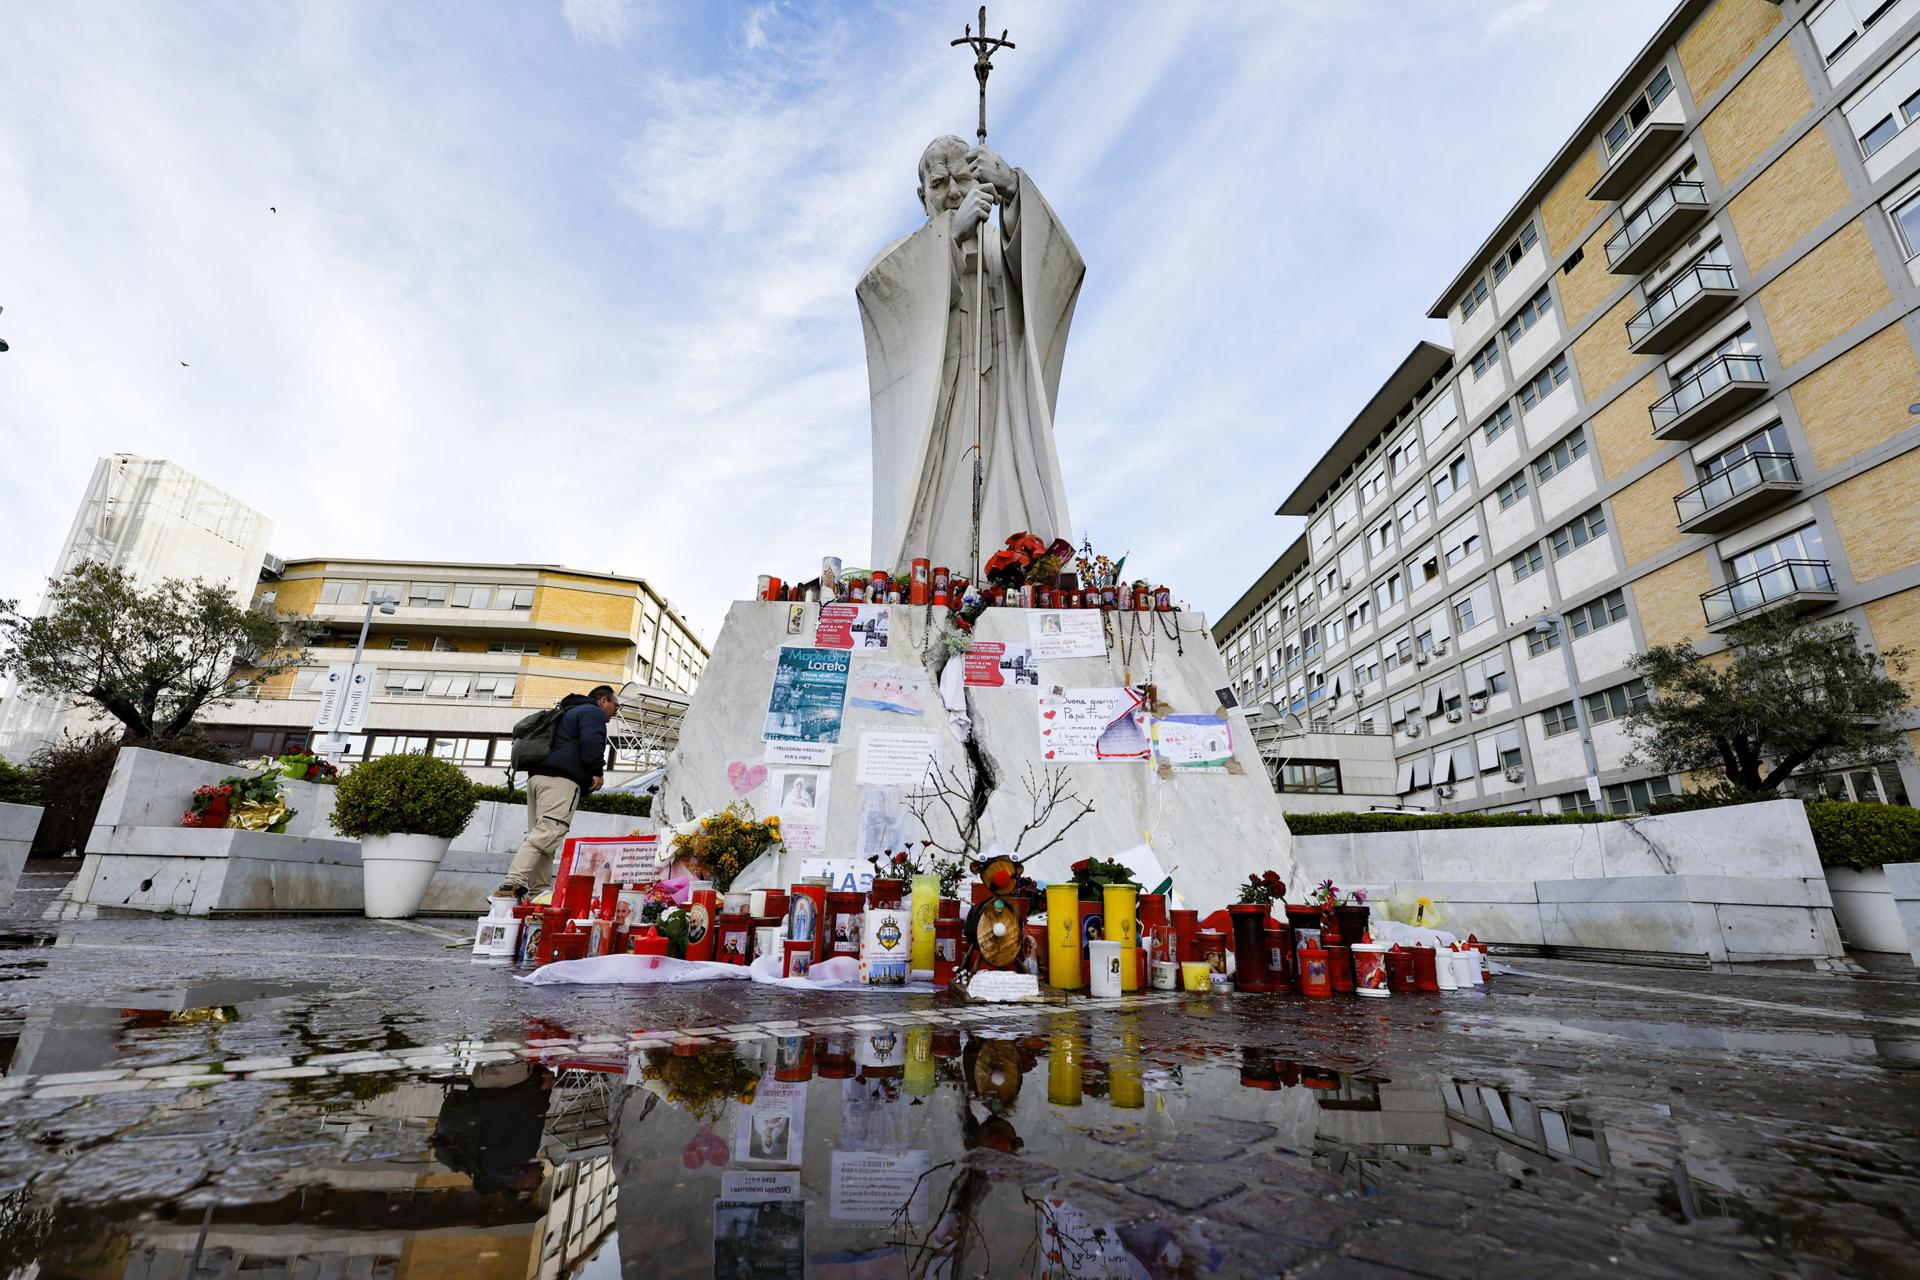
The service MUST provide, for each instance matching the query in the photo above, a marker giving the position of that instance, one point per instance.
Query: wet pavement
(337, 1097)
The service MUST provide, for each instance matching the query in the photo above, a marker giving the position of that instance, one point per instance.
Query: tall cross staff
(984, 47)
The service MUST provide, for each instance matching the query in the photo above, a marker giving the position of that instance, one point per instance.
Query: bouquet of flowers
(720, 846)
(1264, 889)
(906, 864)
(1093, 875)
(251, 802)
(703, 1083)
(302, 767)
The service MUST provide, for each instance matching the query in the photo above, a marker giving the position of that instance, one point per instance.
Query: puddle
(873, 1151)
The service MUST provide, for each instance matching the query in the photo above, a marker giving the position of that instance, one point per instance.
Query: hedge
(1851, 834)
(596, 802)
(17, 785)
(1340, 824)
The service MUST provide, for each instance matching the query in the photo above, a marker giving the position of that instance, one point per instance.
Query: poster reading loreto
(1194, 744)
(852, 626)
(1085, 725)
(1067, 633)
(809, 696)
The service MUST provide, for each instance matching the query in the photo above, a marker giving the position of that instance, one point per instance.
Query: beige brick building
(1684, 387)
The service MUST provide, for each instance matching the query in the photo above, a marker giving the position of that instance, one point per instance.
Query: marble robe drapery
(917, 306)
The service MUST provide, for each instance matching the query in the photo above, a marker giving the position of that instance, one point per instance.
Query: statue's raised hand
(990, 170)
(974, 208)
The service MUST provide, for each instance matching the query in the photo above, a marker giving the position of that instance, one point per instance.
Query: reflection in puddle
(867, 1150)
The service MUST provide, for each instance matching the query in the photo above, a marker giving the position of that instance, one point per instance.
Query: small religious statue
(949, 376)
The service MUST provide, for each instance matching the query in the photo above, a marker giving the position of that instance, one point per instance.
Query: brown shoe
(514, 891)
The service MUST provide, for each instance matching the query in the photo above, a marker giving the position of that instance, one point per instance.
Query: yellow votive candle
(1063, 937)
(925, 907)
(1196, 975)
(1121, 922)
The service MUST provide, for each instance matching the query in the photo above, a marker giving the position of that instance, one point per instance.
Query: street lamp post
(386, 605)
(1551, 623)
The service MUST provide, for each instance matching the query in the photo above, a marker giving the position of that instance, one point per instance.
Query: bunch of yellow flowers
(722, 845)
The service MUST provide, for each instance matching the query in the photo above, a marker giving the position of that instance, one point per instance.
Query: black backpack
(533, 738)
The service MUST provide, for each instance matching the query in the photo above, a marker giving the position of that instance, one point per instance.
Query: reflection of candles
(1126, 1081)
(1064, 1072)
(919, 1081)
(1063, 936)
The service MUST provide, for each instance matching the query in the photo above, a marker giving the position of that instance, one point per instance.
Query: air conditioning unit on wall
(1444, 791)
(1413, 728)
(1453, 717)
(1516, 774)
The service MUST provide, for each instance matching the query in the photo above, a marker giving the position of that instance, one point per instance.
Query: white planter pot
(396, 870)
(1863, 907)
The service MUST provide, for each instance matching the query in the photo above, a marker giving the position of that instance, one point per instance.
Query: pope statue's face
(944, 176)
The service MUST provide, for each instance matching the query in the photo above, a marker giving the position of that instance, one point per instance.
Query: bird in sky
(183, 364)
(272, 209)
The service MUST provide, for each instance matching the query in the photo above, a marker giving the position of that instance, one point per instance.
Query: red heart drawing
(745, 777)
(1046, 733)
(1050, 715)
(1049, 755)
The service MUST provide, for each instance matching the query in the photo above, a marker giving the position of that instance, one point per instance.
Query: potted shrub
(405, 810)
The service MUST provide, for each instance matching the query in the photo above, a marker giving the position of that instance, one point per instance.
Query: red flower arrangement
(211, 805)
(1264, 889)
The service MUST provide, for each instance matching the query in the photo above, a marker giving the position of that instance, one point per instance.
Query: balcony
(1757, 483)
(1800, 585)
(1675, 211)
(1634, 161)
(1686, 305)
(1709, 397)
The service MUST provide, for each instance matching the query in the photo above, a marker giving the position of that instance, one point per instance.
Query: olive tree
(1789, 696)
(150, 658)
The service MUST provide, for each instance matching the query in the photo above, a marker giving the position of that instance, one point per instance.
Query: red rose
(1079, 866)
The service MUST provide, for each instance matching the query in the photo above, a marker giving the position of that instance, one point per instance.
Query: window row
(427, 595)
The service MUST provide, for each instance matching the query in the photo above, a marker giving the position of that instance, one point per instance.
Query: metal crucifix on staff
(984, 47)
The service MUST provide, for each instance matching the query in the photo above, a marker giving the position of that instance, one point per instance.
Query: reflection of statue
(917, 305)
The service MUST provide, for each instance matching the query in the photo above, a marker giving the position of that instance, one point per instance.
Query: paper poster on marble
(844, 875)
(1067, 633)
(1084, 726)
(853, 626)
(760, 1184)
(879, 1186)
(883, 821)
(758, 1237)
(770, 1130)
(888, 686)
(817, 754)
(990, 664)
(1192, 744)
(809, 696)
(800, 798)
(897, 759)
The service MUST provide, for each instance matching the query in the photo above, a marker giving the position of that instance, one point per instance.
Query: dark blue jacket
(579, 743)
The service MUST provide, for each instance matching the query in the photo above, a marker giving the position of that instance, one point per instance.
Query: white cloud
(1515, 15)
(533, 294)
(607, 22)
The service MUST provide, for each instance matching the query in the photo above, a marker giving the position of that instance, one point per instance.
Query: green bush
(404, 795)
(1340, 824)
(597, 802)
(1863, 836)
(17, 785)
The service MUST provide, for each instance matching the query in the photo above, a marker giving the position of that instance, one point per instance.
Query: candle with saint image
(1120, 903)
(925, 908)
(1063, 936)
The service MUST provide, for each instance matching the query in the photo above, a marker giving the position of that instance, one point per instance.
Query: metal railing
(1719, 374)
(1665, 201)
(1749, 473)
(1764, 587)
(1682, 289)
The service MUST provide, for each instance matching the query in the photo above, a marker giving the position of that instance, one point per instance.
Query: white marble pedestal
(1208, 830)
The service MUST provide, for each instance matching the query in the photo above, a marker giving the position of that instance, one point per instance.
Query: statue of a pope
(917, 304)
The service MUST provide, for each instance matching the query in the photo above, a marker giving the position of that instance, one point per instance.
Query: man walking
(576, 765)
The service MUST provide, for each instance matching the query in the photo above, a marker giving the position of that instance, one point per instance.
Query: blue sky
(573, 281)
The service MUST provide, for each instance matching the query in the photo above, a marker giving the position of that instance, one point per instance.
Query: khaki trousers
(550, 806)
